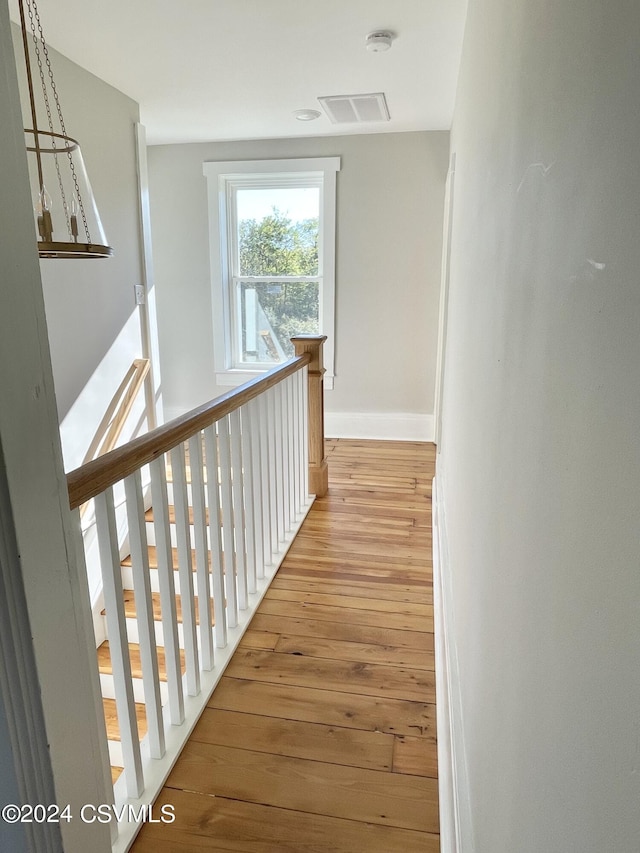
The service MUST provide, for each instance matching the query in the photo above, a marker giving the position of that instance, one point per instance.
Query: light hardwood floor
(321, 734)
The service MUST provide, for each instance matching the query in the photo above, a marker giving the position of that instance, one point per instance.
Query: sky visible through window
(296, 203)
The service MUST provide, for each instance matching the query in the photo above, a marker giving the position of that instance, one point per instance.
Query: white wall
(45, 540)
(88, 302)
(540, 458)
(389, 222)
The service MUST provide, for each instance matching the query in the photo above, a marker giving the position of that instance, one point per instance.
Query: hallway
(321, 734)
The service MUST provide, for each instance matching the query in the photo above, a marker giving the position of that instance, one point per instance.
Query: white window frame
(223, 178)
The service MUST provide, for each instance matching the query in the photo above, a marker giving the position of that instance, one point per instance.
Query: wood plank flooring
(321, 735)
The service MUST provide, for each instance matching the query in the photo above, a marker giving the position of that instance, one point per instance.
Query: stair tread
(131, 613)
(104, 660)
(153, 558)
(113, 727)
(187, 463)
(172, 514)
(126, 562)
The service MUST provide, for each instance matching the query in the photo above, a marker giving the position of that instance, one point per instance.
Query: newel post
(318, 470)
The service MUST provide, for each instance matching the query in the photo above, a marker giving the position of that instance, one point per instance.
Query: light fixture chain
(49, 117)
(33, 9)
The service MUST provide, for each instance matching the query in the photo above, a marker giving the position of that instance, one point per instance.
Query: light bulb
(74, 219)
(45, 199)
(45, 224)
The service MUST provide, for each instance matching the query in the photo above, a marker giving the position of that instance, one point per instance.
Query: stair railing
(243, 471)
(115, 417)
(118, 410)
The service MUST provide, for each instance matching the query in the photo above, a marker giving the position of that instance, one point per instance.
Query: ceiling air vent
(360, 109)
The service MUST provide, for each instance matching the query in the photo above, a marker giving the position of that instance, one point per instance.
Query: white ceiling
(236, 69)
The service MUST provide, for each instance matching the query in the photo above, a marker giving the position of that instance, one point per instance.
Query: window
(272, 239)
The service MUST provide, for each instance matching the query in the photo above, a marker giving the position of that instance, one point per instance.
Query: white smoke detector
(379, 41)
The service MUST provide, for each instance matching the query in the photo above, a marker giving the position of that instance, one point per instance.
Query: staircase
(103, 651)
(229, 485)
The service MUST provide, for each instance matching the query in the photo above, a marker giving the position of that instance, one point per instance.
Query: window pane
(278, 231)
(271, 313)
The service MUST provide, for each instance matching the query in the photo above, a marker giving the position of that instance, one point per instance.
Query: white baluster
(215, 536)
(250, 509)
(295, 397)
(253, 409)
(305, 434)
(185, 569)
(144, 612)
(272, 467)
(291, 481)
(202, 552)
(285, 472)
(239, 527)
(167, 589)
(291, 385)
(228, 544)
(256, 486)
(263, 437)
(278, 469)
(303, 438)
(118, 642)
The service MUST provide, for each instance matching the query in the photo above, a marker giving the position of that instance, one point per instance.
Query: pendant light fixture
(66, 217)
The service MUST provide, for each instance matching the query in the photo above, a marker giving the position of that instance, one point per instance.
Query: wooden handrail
(93, 478)
(118, 410)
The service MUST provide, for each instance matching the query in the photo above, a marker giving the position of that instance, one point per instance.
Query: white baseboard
(389, 426)
(456, 834)
(392, 426)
